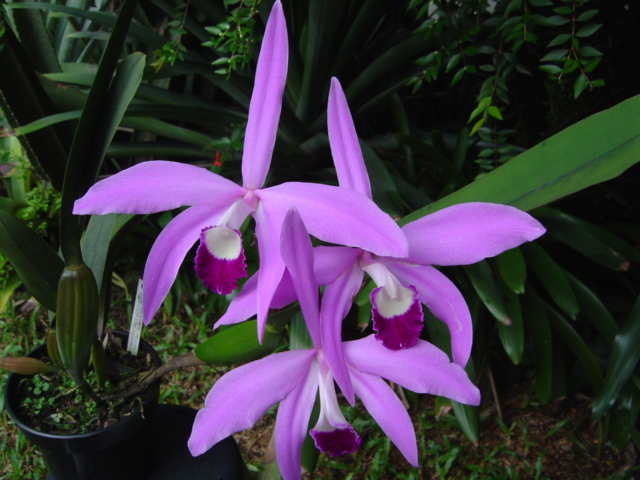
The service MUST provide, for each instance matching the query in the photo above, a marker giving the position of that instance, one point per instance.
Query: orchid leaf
(38, 266)
(22, 101)
(485, 286)
(552, 277)
(623, 361)
(512, 269)
(238, 344)
(512, 335)
(593, 150)
(572, 232)
(467, 416)
(95, 244)
(539, 328)
(121, 91)
(594, 310)
(580, 349)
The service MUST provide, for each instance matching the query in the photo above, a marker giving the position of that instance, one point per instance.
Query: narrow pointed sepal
(396, 321)
(220, 260)
(338, 441)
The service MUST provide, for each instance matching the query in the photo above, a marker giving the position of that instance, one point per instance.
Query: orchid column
(218, 207)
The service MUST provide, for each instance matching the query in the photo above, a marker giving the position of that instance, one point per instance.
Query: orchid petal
(422, 368)
(339, 440)
(346, 152)
(467, 233)
(296, 252)
(444, 300)
(268, 229)
(155, 186)
(266, 100)
(168, 252)
(336, 302)
(388, 412)
(240, 397)
(219, 262)
(339, 216)
(292, 423)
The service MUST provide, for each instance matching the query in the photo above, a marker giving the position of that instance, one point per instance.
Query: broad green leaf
(121, 91)
(596, 149)
(238, 344)
(578, 346)
(512, 269)
(624, 358)
(468, 416)
(95, 243)
(38, 266)
(485, 286)
(552, 278)
(594, 309)
(539, 329)
(512, 335)
(575, 233)
(579, 85)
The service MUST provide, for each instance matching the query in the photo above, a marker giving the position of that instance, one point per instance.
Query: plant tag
(136, 322)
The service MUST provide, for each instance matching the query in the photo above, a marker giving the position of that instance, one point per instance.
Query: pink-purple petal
(400, 330)
(238, 400)
(292, 423)
(268, 229)
(266, 100)
(336, 302)
(444, 300)
(339, 216)
(296, 252)
(345, 149)
(155, 186)
(220, 275)
(422, 368)
(168, 252)
(469, 232)
(388, 412)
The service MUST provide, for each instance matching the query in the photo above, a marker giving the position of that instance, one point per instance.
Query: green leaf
(572, 232)
(494, 112)
(552, 69)
(552, 278)
(539, 329)
(588, 30)
(38, 266)
(595, 311)
(485, 286)
(238, 344)
(588, 15)
(512, 269)
(624, 358)
(559, 40)
(468, 416)
(121, 91)
(512, 335)
(555, 55)
(580, 349)
(596, 149)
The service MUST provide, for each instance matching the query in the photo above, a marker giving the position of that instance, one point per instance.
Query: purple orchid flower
(458, 235)
(218, 207)
(293, 378)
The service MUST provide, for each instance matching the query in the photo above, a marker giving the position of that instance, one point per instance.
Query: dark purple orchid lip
(341, 440)
(398, 329)
(218, 273)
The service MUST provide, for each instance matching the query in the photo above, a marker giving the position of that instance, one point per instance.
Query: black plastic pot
(123, 451)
